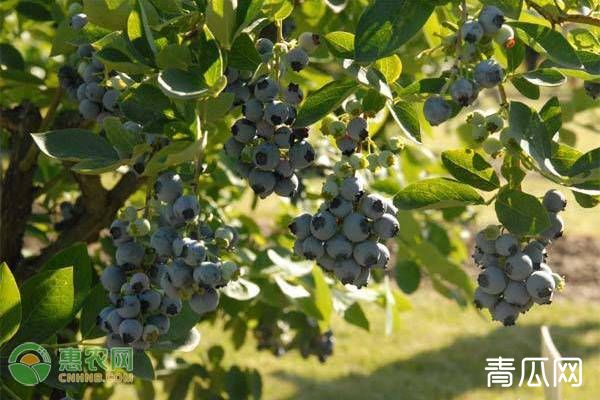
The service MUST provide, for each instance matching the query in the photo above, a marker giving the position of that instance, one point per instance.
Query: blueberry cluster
(474, 37)
(483, 127)
(158, 266)
(515, 274)
(348, 135)
(347, 234)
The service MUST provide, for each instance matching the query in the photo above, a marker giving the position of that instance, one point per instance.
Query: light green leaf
(241, 289)
(586, 163)
(10, 306)
(291, 290)
(511, 8)
(356, 316)
(340, 44)
(436, 193)
(243, 55)
(407, 119)
(390, 67)
(470, 167)
(172, 154)
(326, 99)
(99, 13)
(221, 18)
(322, 297)
(174, 56)
(277, 9)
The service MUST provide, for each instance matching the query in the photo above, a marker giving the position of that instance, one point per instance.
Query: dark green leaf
(586, 163)
(470, 167)
(515, 56)
(585, 200)
(555, 44)
(406, 117)
(174, 56)
(545, 77)
(551, 115)
(142, 366)
(356, 316)
(94, 303)
(118, 60)
(326, 99)
(340, 44)
(10, 306)
(74, 145)
(436, 193)
(122, 139)
(243, 54)
(526, 88)
(408, 275)
(34, 10)
(521, 213)
(427, 85)
(10, 57)
(184, 85)
(146, 104)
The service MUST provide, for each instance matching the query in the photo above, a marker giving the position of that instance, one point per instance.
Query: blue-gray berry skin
(301, 155)
(357, 129)
(543, 267)
(118, 232)
(207, 274)
(464, 91)
(130, 330)
(340, 207)
(297, 59)
(326, 262)
(486, 245)
(554, 201)
(506, 245)
(505, 313)
(129, 307)
(346, 270)
(139, 282)
(352, 188)
(180, 274)
(556, 227)
(162, 241)
(186, 207)
(170, 307)
(162, 322)
(436, 110)
(386, 227)
(287, 187)
(266, 89)
(518, 266)
(132, 126)
(471, 32)
(362, 279)
(298, 248)
(151, 333)
(300, 226)
(347, 145)
(264, 129)
(293, 94)
(541, 286)
(110, 99)
(491, 19)
(265, 48)
(78, 21)
(85, 50)
(81, 92)
(150, 300)
(262, 182)
(485, 300)
(243, 130)
(91, 74)
(338, 247)
(477, 255)
(130, 255)
(88, 109)
(94, 92)
(516, 294)
(492, 280)
(112, 321)
(366, 253)
(168, 187)
(283, 137)
(372, 206)
(266, 157)
(488, 73)
(101, 319)
(323, 225)
(168, 287)
(233, 148)
(536, 252)
(312, 248)
(384, 256)
(356, 227)
(253, 110)
(592, 89)
(194, 253)
(112, 278)
(276, 112)
(205, 301)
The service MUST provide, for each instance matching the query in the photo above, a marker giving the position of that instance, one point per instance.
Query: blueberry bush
(139, 137)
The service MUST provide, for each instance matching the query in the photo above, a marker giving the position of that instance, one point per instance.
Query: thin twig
(562, 16)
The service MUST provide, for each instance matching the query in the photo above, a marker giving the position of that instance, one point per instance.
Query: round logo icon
(29, 364)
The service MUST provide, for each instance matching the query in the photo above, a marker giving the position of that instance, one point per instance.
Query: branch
(562, 17)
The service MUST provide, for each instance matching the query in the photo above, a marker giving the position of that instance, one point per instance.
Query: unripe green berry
(353, 107)
(387, 159)
(494, 123)
(129, 214)
(492, 146)
(139, 227)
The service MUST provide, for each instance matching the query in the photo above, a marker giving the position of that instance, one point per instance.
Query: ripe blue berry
(436, 110)
(118, 232)
(233, 148)
(386, 227)
(323, 225)
(338, 247)
(168, 187)
(180, 274)
(356, 227)
(312, 248)
(366, 253)
(207, 274)
(518, 266)
(541, 286)
(139, 282)
(297, 59)
(492, 280)
(346, 144)
(262, 182)
(471, 32)
(488, 73)
(162, 322)
(372, 206)
(112, 278)
(301, 155)
(88, 109)
(170, 307)
(149, 300)
(78, 21)
(112, 321)
(491, 19)
(266, 157)
(300, 226)
(162, 241)
(283, 137)
(287, 187)
(110, 99)
(293, 94)
(130, 255)
(346, 270)
(516, 294)
(130, 330)
(506, 245)
(463, 91)
(264, 129)
(243, 130)
(265, 48)
(357, 129)
(253, 110)
(505, 313)
(151, 334)
(556, 227)
(129, 307)
(384, 256)
(352, 188)
(186, 207)
(592, 89)
(554, 201)
(205, 301)
(276, 112)
(484, 300)
(266, 89)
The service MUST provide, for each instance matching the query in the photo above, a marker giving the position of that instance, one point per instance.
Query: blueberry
(291, 115)
(436, 110)
(266, 157)
(81, 92)
(487, 246)
(262, 182)
(130, 255)
(352, 188)
(309, 41)
(283, 137)
(149, 300)
(233, 148)
(162, 241)
(130, 307)
(94, 92)
(101, 319)
(340, 207)
(516, 294)
(346, 270)
(301, 155)
(323, 225)
(243, 130)
(186, 207)
(114, 340)
(505, 313)
(505, 36)
(488, 73)
(326, 262)
(168, 287)
(241, 92)
(207, 274)
(356, 227)
(494, 122)
(293, 94)
(357, 129)
(372, 206)
(554, 201)
(284, 168)
(264, 129)
(346, 145)
(204, 301)
(297, 59)
(506, 245)
(195, 253)
(491, 19)
(384, 256)
(110, 99)
(112, 321)
(541, 286)
(287, 187)
(484, 300)
(85, 50)
(232, 74)
(543, 267)
(276, 112)
(170, 307)
(118, 232)
(300, 226)
(298, 247)
(463, 91)
(386, 227)
(139, 282)
(168, 187)
(556, 227)
(162, 322)
(114, 297)
(536, 252)
(312, 248)
(180, 274)
(338, 247)
(151, 333)
(132, 126)
(362, 279)
(253, 110)
(78, 21)
(265, 48)
(492, 280)
(471, 32)
(366, 253)
(592, 89)
(88, 109)
(518, 266)
(266, 89)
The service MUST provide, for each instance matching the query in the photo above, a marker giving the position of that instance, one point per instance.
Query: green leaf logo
(29, 364)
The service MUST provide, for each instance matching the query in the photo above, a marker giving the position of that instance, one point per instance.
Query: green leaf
(221, 19)
(510, 8)
(119, 61)
(241, 289)
(390, 67)
(369, 77)
(407, 119)
(521, 213)
(145, 105)
(10, 307)
(545, 77)
(47, 301)
(555, 44)
(356, 316)
(436, 193)
(408, 275)
(526, 88)
(340, 44)
(470, 167)
(99, 13)
(427, 85)
(277, 9)
(322, 296)
(585, 200)
(34, 10)
(210, 64)
(10, 57)
(326, 99)
(512, 172)
(563, 157)
(290, 290)
(94, 303)
(551, 115)
(385, 25)
(515, 56)
(179, 84)
(172, 154)
(96, 166)
(122, 139)
(20, 77)
(174, 56)
(243, 55)
(74, 145)
(586, 163)
(142, 366)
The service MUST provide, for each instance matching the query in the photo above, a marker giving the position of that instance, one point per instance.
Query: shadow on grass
(450, 371)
